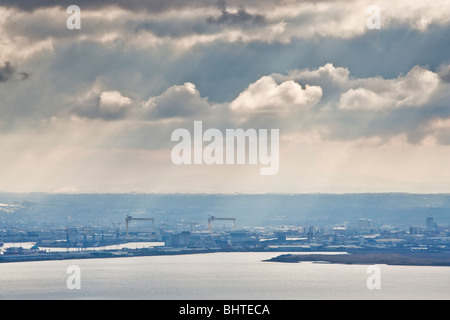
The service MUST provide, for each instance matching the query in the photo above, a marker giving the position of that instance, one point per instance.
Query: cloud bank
(357, 109)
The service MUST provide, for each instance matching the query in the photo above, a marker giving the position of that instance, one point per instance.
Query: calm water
(217, 276)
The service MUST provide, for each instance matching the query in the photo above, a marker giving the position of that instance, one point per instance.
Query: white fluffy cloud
(414, 89)
(265, 96)
(113, 101)
(324, 74)
(177, 101)
(363, 99)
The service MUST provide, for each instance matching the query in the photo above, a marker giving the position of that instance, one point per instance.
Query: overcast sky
(92, 110)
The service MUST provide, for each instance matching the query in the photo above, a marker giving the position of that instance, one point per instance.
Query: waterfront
(217, 276)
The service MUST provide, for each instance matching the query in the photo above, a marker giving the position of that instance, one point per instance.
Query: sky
(92, 110)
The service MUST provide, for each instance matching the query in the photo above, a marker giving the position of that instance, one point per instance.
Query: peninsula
(389, 258)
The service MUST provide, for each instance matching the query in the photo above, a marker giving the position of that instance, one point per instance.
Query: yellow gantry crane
(211, 219)
(130, 218)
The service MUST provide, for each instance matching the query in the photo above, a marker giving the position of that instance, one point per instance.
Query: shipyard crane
(213, 218)
(128, 219)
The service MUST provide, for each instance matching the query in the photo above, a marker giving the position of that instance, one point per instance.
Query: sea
(217, 276)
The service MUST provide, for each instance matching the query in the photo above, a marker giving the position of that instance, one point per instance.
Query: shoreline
(335, 257)
(78, 255)
(371, 258)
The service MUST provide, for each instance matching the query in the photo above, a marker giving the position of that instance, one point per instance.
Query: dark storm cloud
(221, 71)
(132, 5)
(137, 5)
(6, 72)
(210, 25)
(9, 72)
(240, 17)
(172, 29)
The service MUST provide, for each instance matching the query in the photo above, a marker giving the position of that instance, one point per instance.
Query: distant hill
(249, 210)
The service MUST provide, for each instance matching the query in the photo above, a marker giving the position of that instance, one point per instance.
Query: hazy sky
(92, 110)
